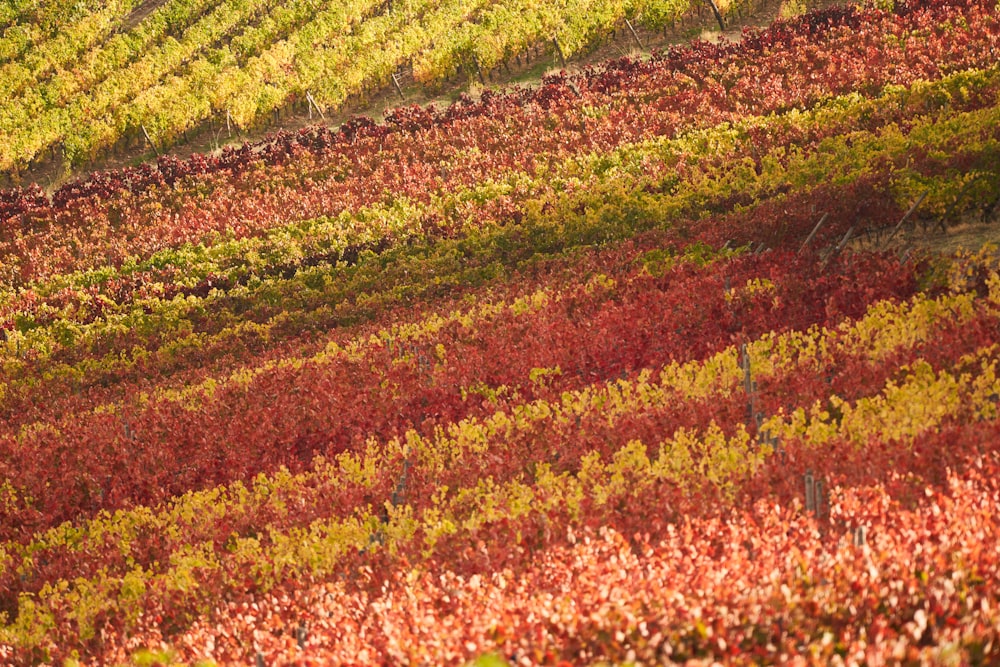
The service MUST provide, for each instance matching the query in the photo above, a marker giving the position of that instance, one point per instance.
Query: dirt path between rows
(139, 13)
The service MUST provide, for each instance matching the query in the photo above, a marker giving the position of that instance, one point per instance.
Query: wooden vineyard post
(301, 634)
(749, 386)
(838, 248)
(764, 436)
(812, 234)
(843, 241)
(150, 141)
(906, 216)
(313, 105)
(815, 494)
(810, 491)
(820, 494)
(399, 89)
(562, 57)
(635, 35)
(718, 15)
(399, 494)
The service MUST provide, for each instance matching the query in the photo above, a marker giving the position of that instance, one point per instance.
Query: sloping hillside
(642, 365)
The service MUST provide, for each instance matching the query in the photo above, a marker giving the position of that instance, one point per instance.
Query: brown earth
(139, 13)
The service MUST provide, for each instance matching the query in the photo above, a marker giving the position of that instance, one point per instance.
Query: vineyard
(643, 365)
(85, 79)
